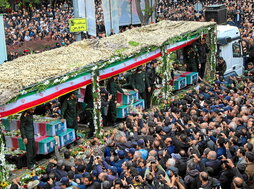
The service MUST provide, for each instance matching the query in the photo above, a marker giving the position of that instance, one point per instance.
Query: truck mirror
(228, 39)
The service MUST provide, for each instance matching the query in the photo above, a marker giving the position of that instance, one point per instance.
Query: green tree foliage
(4, 4)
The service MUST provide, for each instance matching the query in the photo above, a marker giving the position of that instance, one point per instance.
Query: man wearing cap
(130, 153)
(27, 134)
(64, 183)
(69, 111)
(249, 169)
(141, 83)
(120, 161)
(112, 88)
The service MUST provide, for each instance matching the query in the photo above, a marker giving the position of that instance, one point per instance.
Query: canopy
(35, 79)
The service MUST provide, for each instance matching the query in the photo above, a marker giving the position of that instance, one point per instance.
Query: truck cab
(230, 48)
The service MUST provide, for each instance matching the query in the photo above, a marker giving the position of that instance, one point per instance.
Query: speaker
(216, 12)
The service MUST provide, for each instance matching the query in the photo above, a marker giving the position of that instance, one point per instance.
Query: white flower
(94, 68)
(65, 78)
(23, 92)
(57, 80)
(46, 82)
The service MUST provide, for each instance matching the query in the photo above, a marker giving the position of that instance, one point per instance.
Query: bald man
(238, 183)
(213, 162)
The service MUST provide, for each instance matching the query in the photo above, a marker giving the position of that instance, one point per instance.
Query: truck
(230, 49)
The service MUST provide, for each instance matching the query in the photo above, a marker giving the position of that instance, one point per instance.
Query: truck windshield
(236, 48)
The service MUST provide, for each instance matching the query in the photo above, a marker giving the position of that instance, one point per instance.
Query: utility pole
(76, 15)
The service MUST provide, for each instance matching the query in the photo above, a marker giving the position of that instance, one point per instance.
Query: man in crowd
(203, 140)
(192, 59)
(203, 51)
(69, 111)
(105, 100)
(113, 88)
(27, 134)
(140, 83)
(89, 109)
(206, 137)
(221, 66)
(151, 74)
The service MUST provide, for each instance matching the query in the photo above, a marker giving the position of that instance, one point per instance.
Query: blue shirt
(171, 149)
(221, 151)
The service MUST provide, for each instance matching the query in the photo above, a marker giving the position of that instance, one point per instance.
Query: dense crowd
(44, 24)
(204, 140)
(52, 24)
(239, 14)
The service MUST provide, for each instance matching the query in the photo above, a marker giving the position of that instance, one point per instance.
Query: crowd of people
(40, 25)
(52, 24)
(204, 140)
(239, 13)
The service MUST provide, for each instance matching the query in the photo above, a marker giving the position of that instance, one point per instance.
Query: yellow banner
(78, 24)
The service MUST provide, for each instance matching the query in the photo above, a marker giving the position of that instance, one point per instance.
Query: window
(236, 47)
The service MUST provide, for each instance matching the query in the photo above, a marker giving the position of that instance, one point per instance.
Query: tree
(144, 15)
(4, 4)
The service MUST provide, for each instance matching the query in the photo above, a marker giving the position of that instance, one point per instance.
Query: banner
(78, 24)
(115, 16)
(81, 8)
(90, 15)
(124, 8)
(3, 53)
(107, 15)
(87, 10)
